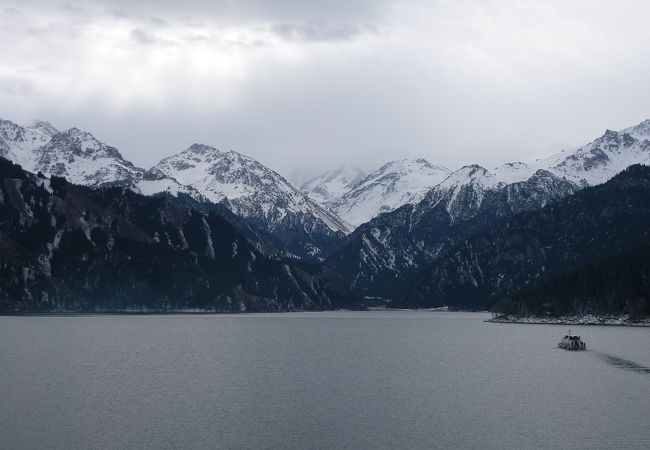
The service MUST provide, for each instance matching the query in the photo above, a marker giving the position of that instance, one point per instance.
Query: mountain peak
(640, 131)
(45, 126)
(332, 184)
(610, 134)
(473, 169)
(396, 183)
(76, 133)
(200, 148)
(252, 190)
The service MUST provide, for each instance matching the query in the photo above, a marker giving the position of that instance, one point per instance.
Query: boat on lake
(572, 342)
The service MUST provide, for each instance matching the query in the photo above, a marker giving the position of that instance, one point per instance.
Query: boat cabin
(572, 342)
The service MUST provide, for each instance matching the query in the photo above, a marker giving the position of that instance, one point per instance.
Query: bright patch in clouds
(314, 84)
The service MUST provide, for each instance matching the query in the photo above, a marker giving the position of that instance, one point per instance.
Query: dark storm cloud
(313, 84)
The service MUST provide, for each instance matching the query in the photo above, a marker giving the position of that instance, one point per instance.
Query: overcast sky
(313, 84)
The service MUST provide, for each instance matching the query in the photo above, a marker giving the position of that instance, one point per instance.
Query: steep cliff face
(68, 248)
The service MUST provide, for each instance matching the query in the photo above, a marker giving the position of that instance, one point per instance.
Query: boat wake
(624, 364)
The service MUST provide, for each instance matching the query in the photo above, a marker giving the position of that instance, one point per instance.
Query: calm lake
(319, 380)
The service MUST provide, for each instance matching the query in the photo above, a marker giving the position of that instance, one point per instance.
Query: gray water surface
(319, 380)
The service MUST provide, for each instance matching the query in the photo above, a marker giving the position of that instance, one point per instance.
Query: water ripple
(622, 363)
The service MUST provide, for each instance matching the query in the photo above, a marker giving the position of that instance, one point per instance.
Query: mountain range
(386, 252)
(280, 212)
(588, 252)
(72, 248)
(392, 185)
(384, 231)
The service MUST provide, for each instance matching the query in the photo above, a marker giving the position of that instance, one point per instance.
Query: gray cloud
(142, 36)
(318, 32)
(313, 84)
(14, 86)
(253, 10)
(11, 11)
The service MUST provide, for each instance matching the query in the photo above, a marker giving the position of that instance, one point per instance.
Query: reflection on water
(622, 363)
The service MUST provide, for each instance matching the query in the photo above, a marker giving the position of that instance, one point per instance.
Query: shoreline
(587, 320)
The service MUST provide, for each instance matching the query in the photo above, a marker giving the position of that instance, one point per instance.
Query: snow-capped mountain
(601, 159)
(392, 247)
(397, 245)
(587, 253)
(252, 189)
(257, 193)
(74, 154)
(295, 223)
(332, 184)
(19, 143)
(65, 248)
(82, 159)
(79, 157)
(300, 225)
(394, 184)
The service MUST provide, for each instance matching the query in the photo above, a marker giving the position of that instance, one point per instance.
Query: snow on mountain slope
(395, 246)
(464, 190)
(250, 188)
(74, 154)
(292, 222)
(332, 184)
(601, 159)
(19, 144)
(640, 132)
(407, 182)
(394, 184)
(154, 184)
(82, 159)
(588, 165)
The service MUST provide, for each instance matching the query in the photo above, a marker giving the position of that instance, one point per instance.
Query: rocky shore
(587, 319)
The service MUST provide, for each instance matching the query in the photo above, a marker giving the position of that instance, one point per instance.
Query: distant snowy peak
(82, 159)
(602, 158)
(464, 191)
(393, 185)
(79, 157)
(46, 127)
(640, 132)
(219, 175)
(19, 143)
(594, 163)
(293, 222)
(250, 188)
(485, 179)
(74, 154)
(332, 184)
